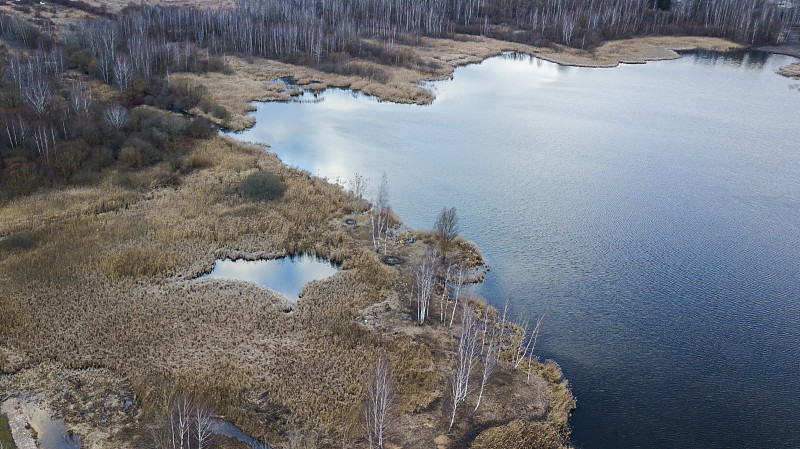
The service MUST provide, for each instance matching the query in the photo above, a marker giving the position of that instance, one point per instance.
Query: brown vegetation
(101, 277)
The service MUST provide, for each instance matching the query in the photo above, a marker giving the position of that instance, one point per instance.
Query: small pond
(50, 432)
(286, 275)
(229, 430)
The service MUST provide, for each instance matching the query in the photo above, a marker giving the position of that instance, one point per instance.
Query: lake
(652, 212)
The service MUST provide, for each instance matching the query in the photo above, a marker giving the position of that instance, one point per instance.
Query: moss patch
(6, 442)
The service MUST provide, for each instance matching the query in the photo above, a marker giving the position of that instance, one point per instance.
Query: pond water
(286, 275)
(51, 433)
(651, 211)
(227, 429)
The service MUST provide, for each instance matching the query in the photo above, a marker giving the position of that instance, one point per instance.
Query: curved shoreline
(436, 59)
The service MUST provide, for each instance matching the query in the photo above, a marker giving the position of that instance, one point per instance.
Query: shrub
(262, 186)
(201, 128)
(20, 241)
(519, 434)
(129, 157)
(220, 112)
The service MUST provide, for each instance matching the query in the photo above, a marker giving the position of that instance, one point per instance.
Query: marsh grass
(103, 277)
(94, 280)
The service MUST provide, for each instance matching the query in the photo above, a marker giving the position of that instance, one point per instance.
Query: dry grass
(104, 280)
(636, 50)
(790, 71)
(101, 285)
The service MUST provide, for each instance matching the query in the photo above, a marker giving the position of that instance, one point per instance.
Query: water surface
(651, 211)
(286, 275)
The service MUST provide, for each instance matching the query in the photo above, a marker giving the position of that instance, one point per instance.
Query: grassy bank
(6, 441)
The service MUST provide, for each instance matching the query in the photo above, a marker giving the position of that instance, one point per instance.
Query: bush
(262, 186)
(220, 112)
(20, 241)
(201, 128)
(129, 157)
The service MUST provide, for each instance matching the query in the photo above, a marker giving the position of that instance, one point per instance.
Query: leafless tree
(44, 139)
(527, 342)
(377, 409)
(105, 66)
(123, 72)
(488, 356)
(465, 361)
(358, 188)
(188, 424)
(37, 92)
(80, 98)
(17, 130)
(447, 270)
(460, 280)
(424, 281)
(446, 229)
(116, 116)
(380, 215)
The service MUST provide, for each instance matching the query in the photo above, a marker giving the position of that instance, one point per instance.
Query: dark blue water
(286, 275)
(651, 211)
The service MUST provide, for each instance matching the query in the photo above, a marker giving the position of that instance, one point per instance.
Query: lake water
(651, 211)
(286, 275)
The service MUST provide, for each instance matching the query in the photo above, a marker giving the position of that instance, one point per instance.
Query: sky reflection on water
(652, 211)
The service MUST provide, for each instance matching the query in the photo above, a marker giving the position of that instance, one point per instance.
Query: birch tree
(465, 361)
(116, 116)
(379, 216)
(527, 343)
(377, 409)
(424, 281)
(488, 350)
(460, 282)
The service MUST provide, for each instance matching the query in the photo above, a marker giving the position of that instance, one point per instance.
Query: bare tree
(379, 215)
(116, 116)
(423, 284)
(460, 282)
(527, 342)
(80, 98)
(17, 130)
(377, 409)
(38, 93)
(465, 361)
(446, 229)
(203, 426)
(488, 349)
(123, 72)
(448, 270)
(358, 188)
(188, 424)
(44, 139)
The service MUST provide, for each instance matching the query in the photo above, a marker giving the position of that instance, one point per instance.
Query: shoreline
(253, 79)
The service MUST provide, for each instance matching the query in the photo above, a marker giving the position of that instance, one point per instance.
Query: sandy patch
(636, 51)
(18, 424)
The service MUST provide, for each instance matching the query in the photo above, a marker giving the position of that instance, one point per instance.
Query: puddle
(50, 432)
(229, 430)
(286, 275)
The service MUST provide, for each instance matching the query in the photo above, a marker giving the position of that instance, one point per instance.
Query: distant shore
(436, 59)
